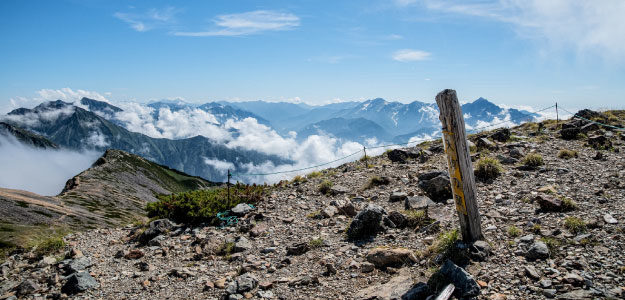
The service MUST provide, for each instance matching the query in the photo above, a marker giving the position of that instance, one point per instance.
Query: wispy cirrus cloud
(150, 19)
(247, 23)
(409, 55)
(583, 26)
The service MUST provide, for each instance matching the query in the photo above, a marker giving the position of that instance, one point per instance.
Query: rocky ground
(367, 241)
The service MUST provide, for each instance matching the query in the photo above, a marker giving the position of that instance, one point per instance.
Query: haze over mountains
(246, 137)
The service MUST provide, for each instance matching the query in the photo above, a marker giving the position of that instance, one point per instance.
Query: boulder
(366, 223)
(599, 142)
(241, 209)
(242, 244)
(390, 257)
(465, 285)
(156, 227)
(548, 203)
(344, 207)
(329, 211)
(398, 196)
(401, 155)
(501, 135)
(78, 283)
(242, 284)
(516, 153)
(484, 143)
(396, 288)
(398, 219)
(77, 265)
(538, 250)
(297, 249)
(436, 185)
(418, 203)
(570, 133)
(27, 287)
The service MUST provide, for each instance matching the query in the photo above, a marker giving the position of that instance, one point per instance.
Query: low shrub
(325, 187)
(513, 231)
(533, 160)
(488, 168)
(203, 205)
(567, 154)
(314, 174)
(575, 225)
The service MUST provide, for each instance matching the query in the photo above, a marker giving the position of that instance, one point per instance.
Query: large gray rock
(538, 250)
(436, 185)
(27, 286)
(242, 284)
(418, 203)
(383, 257)
(156, 227)
(570, 133)
(401, 155)
(241, 209)
(77, 265)
(242, 244)
(398, 196)
(466, 286)
(501, 135)
(367, 222)
(344, 207)
(78, 283)
(399, 287)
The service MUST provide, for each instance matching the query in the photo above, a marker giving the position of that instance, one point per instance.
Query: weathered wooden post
(460, 167)
(228, 187)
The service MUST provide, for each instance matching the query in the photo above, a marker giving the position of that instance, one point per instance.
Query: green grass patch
(514, 231)
(203, 205)
(488, 168)
(325, 187)
(42, 238)
(314, 174)
(533, 160)
(575, 225)
(567, 154)
(316, 243)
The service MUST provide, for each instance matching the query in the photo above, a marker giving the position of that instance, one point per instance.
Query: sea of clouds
(42, 171)
(245, 133)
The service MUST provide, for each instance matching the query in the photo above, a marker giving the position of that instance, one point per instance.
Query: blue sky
(510, 51)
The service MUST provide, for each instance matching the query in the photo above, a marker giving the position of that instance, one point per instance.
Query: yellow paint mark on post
(454, 172)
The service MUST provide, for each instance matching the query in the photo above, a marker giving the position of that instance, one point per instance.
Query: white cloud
(408, 55)
(219, 165)
(248, 23)
(148, 20)
(67, 94)
(38, 170)
(584, 26)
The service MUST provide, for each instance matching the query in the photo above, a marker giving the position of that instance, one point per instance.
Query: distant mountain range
(96, 125)
(73, 127)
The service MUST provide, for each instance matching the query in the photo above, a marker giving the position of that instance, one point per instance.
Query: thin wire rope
(598, 123)
(385, 146)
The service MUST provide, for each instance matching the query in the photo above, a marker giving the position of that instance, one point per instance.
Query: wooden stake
(447, 292)
(460, 166)
(365, 150)
(228, 185)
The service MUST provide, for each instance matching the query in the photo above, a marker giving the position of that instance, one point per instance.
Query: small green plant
(416, 218)
(533, 160)
(514, 231)
(536, 228)
(376, 181)
(568, 204)
(575, 225)
(325, 187)
(443, 245)
(225, 249)
(567, 154)
(488, 168)
(299, 179)
(49, 246)
(314, 215)
(314, 174)
(316, 243)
